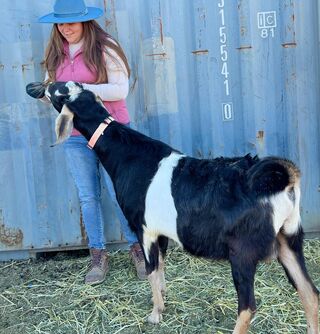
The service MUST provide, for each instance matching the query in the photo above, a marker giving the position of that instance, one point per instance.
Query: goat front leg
(156, 282)
(161, 275)
(162, 281)
(163, 245)
(243, 278)
(291, 257)
(155, 270)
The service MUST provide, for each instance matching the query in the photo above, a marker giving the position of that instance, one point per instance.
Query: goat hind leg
(243, 278)
(291, 258)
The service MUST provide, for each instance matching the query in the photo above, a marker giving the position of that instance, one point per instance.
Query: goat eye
(64, 90)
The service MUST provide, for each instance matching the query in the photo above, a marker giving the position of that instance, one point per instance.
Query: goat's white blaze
(286, 213)
(74, 90)
(160, 212)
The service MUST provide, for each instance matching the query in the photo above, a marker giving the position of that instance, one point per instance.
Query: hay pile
(48, 296)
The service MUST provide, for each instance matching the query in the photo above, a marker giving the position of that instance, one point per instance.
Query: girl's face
(72, 32)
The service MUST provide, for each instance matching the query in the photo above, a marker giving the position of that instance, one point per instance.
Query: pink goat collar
(99, 131)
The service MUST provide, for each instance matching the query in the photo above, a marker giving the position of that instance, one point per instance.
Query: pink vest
(76, 70)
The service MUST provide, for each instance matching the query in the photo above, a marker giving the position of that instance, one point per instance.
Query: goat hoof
(154, 318)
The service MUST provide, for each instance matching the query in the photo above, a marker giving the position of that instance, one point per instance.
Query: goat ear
(64, 125)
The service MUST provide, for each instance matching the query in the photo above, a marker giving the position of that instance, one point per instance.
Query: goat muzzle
(36, 89)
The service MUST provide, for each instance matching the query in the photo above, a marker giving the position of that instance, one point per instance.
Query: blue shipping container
(210, 78)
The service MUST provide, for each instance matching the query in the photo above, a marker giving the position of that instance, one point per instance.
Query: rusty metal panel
(208, 77)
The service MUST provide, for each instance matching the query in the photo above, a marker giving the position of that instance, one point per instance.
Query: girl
(80, 50)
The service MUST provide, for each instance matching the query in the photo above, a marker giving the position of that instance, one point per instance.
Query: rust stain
(200, 52)
(289, 45)
(260, 140)
(10, 236)
(243, 31)
(163, 54)
(161, 30)
(244, 47)
(25, 67)
(107, 23)
(260, 135)
(1, 66)
(135, 80)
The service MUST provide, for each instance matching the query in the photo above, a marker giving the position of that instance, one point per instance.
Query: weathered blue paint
(246, 79)
(208, 77)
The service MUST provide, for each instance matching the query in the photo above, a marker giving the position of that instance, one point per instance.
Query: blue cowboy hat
(70, 11)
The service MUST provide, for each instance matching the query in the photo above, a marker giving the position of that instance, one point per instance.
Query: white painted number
(221, 12)
(267, 22)
(221, 3)
(224, 57)
(226, 85)
(223, 35)
(224, 70)
(223, 52)
(227, 111)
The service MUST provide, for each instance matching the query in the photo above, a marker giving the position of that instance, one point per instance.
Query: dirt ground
(47, 295)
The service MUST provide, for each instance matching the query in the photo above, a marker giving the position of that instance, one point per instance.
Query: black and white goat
(240, 209)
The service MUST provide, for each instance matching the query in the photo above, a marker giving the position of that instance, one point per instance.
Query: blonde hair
(96, 44)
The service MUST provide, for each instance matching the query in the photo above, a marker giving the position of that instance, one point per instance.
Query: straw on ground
(48, 296)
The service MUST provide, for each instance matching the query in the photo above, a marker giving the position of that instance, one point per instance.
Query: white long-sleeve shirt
(117, 87)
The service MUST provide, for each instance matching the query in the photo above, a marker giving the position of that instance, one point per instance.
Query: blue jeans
(83, 164)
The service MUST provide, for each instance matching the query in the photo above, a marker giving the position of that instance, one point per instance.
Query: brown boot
(137, 258)
(99, 266)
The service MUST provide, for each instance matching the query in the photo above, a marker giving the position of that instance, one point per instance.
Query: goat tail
(272, 175)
